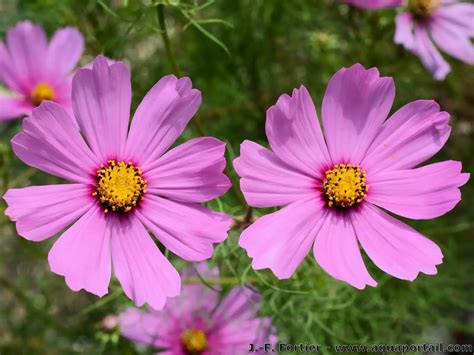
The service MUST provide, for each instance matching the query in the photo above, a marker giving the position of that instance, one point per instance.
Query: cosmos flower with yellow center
(335, 186)
(123, 183)
(199, 323)
(34, 70)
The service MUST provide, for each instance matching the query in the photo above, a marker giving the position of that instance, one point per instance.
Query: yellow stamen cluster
(120, 186)
(344, 185)
(423, 8)
(41, 92)
(194, 341)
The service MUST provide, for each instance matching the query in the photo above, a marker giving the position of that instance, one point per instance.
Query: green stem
(177, 71)
(166, 39)
(218, 281)
(173, 62)
(103, 301)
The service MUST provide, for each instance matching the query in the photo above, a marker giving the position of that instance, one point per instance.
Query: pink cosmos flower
(374, 4)
(34, 70)
(123, 184)
(427, 25)
(197, 323)
(334, 186)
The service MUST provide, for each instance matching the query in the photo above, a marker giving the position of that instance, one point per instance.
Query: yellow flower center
(120, 186)
(194, 341)
(41, 92)
(423, 8)
(344, 185)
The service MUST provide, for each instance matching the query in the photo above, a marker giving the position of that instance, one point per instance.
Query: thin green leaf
(216, 20)
(107, 9)
(205, 32)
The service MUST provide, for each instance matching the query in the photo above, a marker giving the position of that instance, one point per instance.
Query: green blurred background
(242, 54)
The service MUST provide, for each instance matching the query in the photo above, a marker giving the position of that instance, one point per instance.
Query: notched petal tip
(25, 25)
(362, 286)
(464, 178)
(359, 69)
(77, 288)
(459, 177)
(9, 211)
(11, 215)
(441, 121)
(100, 60)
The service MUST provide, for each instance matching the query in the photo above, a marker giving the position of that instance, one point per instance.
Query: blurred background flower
(33, 70)
(425, 27)
(197, 322)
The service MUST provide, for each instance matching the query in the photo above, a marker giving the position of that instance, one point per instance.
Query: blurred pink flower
(124, 184)
(374, 4)
(34, 70)
(428, 24)
(197, 323)
(331, 185)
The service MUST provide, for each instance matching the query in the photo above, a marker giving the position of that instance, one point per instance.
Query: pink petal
(266, 332)
(27, 45)
(294, 133)
(459, 15)
(42, 211)
(281, 240)
(202, 269)
(429, 55)
(423, 193)
(355, 104)
(393, 246)
(191, 172)
(63, 95)
(161, 118)
(266, 181)
(64, 51)
(101, 99)
(50, 141)
(195, 298)
(236, 322)
(452, 39)
(8, 74)
(13, 107)
(404, 30)
(82, 253)
(148, 328)
(90, 65)
(188, 230)
(144, 273)
(240, 304)
(235, 337)
(413, 134)
(336, 250)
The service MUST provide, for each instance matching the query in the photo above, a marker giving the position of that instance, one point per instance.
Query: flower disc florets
(194, 341)
(344, 185)
(41, 92)
(423, 8)
(120, 186)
